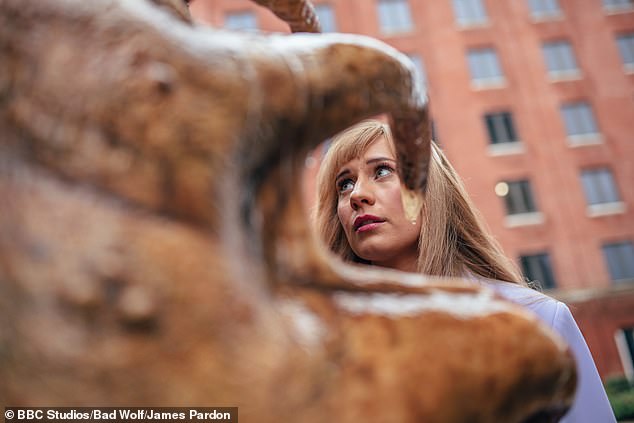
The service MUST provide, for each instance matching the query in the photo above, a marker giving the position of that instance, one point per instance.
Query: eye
(383, 170)
(345, 185)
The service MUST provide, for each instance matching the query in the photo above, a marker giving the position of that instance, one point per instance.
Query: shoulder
(548, 309)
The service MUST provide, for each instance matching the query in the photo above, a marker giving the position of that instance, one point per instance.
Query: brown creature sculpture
(154, 251)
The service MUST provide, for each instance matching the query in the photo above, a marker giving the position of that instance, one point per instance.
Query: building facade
(533, 102)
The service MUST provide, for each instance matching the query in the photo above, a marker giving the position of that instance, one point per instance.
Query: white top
(591, 403)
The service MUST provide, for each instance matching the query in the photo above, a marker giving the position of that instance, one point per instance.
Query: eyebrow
(342, 173)
(380, 159)
(369, 161)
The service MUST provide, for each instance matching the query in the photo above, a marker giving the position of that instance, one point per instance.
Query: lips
(366, 222)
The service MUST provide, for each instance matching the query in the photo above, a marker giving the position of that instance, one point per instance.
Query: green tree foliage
(621, 394)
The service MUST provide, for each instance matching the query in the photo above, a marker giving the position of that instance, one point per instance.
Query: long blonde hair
(453, 241)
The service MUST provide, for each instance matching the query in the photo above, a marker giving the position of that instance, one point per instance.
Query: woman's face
(371, 211)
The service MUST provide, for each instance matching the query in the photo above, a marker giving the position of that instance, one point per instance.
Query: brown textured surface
(153, 248)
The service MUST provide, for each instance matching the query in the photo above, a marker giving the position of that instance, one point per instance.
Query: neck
(404, 263)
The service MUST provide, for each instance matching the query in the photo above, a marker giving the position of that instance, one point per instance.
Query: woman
(360, 217)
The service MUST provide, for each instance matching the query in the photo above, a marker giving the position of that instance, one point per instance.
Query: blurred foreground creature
(153, 247)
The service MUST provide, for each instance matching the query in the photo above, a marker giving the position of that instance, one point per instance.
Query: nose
(362, 194)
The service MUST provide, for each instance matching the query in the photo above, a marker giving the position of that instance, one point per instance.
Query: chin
(371, 254)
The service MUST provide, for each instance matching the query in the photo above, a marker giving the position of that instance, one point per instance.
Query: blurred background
(533, 102)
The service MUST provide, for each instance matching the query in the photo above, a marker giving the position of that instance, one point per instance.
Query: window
(625, 344)
(500, 128)
(521, 209)
(241, 21)
(620, 259)
(519, 197)
(615, 5)
(537, 267)
(420, 66)
(626, 49)
(394, 16)
(560, 59)
(579, 119)
(484, 66)
(326, 17)
(544, 8)
(469, 12)
(599, 186)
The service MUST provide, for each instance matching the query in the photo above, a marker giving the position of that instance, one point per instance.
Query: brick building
(533, 102)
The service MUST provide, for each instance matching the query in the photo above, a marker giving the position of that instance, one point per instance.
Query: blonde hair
(453, 241)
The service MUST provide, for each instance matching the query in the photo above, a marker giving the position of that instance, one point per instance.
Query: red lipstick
(366, 222)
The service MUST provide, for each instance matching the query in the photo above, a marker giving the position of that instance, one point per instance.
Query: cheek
(394, 200)
(343, 213)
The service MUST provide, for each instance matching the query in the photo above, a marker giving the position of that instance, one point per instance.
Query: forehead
(380, 147)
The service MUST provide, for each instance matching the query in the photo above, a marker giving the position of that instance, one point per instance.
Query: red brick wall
(599, 319)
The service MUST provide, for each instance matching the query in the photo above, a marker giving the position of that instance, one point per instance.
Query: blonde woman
(360, 217)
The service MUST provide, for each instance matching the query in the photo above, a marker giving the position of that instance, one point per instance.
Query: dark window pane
(500, 127)
(493, 136)
(519, 198)
(510, 128)
(528, 196)
(629, 340)
(537, 267)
